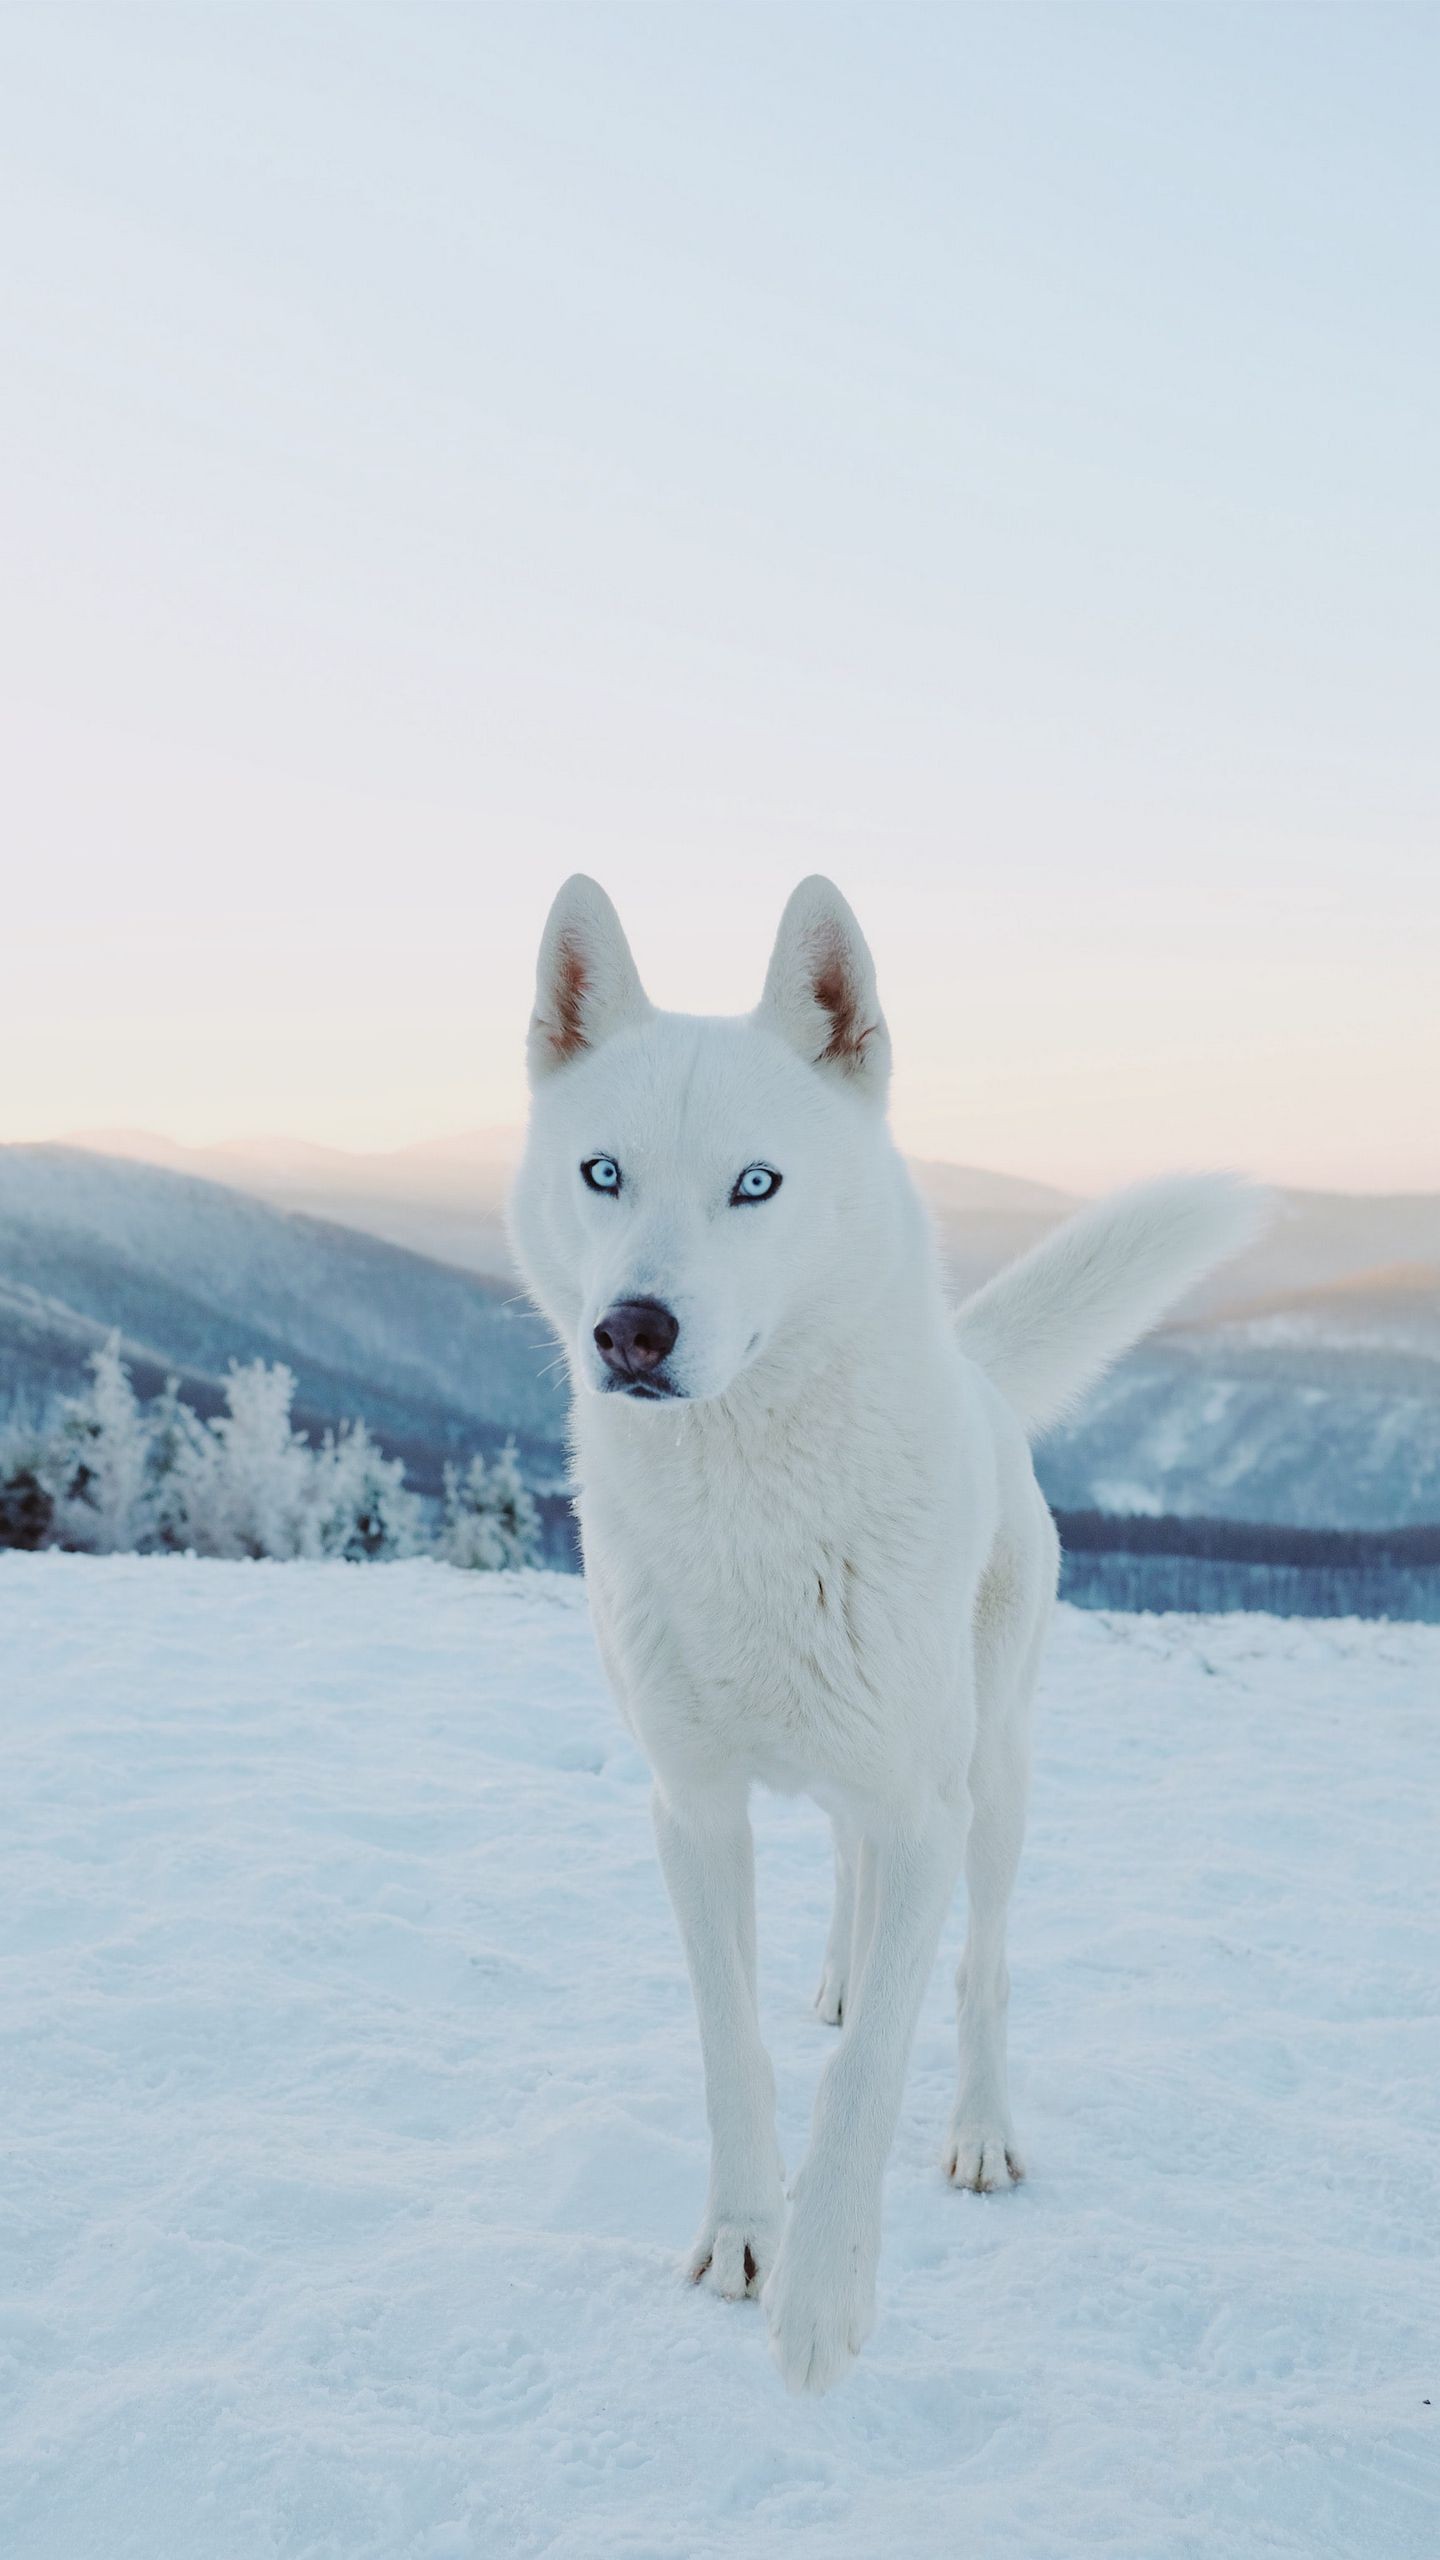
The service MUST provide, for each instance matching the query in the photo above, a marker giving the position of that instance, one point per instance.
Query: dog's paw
(820, 2313)
(982, 2157)
(734, 2253)
(830, 1998)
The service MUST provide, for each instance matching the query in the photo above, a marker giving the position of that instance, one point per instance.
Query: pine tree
(179, 1466)
(469, 1532)
(491, 1523)
(101, 1453)
(516, 1514)
(246, 1482)
(27, 1498)
(362, 1510)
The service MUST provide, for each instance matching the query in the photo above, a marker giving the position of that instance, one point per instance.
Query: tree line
(106, 1474)
(1167, 1563)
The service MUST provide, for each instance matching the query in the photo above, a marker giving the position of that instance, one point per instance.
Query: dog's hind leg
(1011, 1622)
(835, 1979)
(981, 2151)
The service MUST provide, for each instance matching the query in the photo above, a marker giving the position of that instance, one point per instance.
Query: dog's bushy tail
(1047, 1327)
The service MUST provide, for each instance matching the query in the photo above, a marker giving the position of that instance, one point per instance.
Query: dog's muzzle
(635, 1339)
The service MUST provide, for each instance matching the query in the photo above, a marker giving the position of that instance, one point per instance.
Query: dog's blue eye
(602, 1173)
(757, 1182)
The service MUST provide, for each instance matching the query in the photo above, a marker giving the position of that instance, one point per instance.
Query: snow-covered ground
(353, 2121)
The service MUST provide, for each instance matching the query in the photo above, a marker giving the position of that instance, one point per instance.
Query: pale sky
(988, 454)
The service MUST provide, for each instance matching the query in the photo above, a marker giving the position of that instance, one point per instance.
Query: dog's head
(690, 1187)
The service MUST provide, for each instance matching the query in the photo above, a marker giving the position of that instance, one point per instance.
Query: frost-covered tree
(245, 1482)
(108, 1473)
(490, 1521)
(179, 1469)
(361, 1509)
(469, 1532)
(99, 1462)
(516, 1512)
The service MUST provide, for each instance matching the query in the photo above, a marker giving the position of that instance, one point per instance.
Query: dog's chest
(781, 1609)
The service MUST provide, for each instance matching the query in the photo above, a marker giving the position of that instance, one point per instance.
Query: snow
(354, 2122)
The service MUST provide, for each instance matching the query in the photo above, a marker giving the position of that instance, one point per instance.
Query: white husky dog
(816, 1550)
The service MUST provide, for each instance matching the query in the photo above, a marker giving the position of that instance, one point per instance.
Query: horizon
(986, 456)
(505, 1140)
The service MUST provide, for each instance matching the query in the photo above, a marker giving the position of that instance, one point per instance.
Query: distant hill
(1392, 1310)
(1302, 1386)
(445, 1198)
(194, 1275)
(1207, 1420)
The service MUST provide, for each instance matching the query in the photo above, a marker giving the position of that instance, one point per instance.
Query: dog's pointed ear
(820, 990)
(586, 986)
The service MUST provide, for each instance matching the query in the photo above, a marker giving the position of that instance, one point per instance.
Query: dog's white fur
(823, 1562)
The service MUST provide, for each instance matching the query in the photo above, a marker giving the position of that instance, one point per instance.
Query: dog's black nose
(635, 1336)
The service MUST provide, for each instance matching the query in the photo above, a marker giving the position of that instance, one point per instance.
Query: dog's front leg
(820, 2299)
(707, 1854)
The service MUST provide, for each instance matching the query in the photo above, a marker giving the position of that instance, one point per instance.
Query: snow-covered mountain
(194, 1275)
(1203, 1420)
(1303, 1387)
(1316, 1406)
